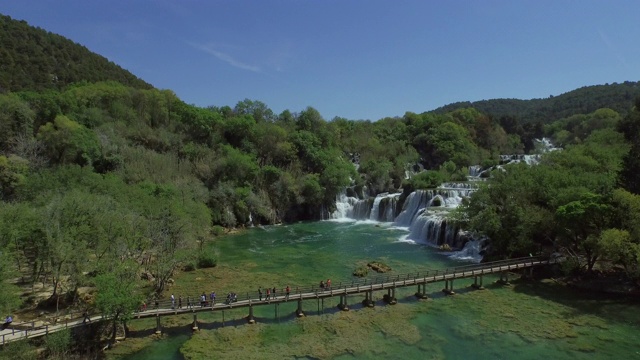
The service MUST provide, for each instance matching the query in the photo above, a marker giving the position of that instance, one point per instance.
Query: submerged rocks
(379, 267)
(361, 271)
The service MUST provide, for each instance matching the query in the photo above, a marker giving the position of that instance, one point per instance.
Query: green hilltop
(584, 100)
(35, 59)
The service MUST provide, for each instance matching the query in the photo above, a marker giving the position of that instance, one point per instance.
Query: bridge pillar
(448, 287)
(343, 303)
(194, 326)
(477, 285)
(250, 318)
(504, 278)
(368, 300)
(299, 312)
(158, 326)
(390, 297)
(422, 291)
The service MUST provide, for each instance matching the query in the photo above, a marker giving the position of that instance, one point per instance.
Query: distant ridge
(35, 59)
(618, 97)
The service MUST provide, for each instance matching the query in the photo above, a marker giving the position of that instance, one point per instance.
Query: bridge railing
(361, 282)
(341, 285)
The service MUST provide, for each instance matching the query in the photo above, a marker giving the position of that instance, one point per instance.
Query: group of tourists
(267, 294)
(231, 297)
(272, 293)
(325, 285)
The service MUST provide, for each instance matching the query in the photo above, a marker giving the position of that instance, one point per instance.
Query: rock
(171, 281)
(379, 267)
(146, 275)
(445, 247)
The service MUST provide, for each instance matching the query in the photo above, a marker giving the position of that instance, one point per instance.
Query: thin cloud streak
(226, 58)
(612, 48)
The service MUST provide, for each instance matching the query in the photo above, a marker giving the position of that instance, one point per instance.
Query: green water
(528, 320)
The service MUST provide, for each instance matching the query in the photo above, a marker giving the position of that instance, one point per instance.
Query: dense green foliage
(572, 201)
(580, 101)
(35, 59)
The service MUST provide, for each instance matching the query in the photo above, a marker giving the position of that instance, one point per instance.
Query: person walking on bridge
(260, 293)
(273, 291)
(85, 316)
(287, 291)
(268, 294)
(179, 301)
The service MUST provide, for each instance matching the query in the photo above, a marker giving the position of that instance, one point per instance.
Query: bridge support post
(477, 285)
(158, 326)
(368, 300)
(299, 312)
(343, 303)
(250, 318)
(422, 291)
(448, 287)
(504, 278)
(390, 297)
(194, 326)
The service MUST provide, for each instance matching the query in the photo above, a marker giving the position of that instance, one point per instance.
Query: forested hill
(34, 59)
(585, 100)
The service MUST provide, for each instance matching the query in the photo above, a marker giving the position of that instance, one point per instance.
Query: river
(526, 320)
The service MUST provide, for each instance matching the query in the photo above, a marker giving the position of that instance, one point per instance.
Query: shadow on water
(582, 301)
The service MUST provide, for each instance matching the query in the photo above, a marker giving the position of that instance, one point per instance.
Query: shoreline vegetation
(112, 192)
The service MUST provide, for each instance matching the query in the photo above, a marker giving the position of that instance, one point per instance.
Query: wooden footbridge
(366, 286)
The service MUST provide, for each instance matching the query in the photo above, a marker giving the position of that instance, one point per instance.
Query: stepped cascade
(423, 213)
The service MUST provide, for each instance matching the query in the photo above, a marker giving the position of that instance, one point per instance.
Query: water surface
(527, 320)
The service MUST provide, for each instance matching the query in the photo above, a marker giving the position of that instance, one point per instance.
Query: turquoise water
(528, 320)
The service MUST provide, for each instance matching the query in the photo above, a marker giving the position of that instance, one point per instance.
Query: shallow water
(527, 320)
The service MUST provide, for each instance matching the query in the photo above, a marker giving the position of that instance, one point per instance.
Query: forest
(106, 180)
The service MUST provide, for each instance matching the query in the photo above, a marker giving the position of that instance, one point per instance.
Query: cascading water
(344, 206)
(424, 214)
(376, 205)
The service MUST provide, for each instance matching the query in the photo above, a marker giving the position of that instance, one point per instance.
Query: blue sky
(354, 58)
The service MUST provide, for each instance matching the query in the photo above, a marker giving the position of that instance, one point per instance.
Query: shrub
(207, 260)
(189, 266)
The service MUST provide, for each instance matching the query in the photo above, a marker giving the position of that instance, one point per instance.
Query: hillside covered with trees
(34, 59)
(584, 100)
(99, 166)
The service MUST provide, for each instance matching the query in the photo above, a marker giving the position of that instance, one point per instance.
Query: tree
(68, 142)
(630, 127)
(117, 294)
(13, 171)
(581, 223)
(16, 119)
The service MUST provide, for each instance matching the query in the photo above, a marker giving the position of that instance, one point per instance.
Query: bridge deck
(29, 330)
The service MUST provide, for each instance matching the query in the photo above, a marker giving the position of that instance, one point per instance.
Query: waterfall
(424, 213)
(416, 201)
(471, 251)
(376, 205)
(382, 208)
(361, 209)
(344, 205)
